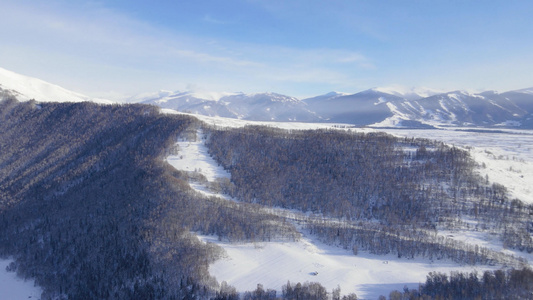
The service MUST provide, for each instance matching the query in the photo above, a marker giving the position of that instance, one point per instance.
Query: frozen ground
(14, 288)
(272, 264)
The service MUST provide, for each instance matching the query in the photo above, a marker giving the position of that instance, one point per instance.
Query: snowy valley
(213, 194)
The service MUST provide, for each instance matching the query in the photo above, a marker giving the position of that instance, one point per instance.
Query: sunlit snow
(26, 88)
(15, 288)
(193, 156)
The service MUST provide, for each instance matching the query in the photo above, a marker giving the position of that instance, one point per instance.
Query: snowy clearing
(15, 288)
(193, 156)
(367, 275)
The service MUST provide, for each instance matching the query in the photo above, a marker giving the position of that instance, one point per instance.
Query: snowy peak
(260, 98)
(463, 108)
(413, 93)
(274, 97)
(149, 96)
(25, 88)
(389, 107)
(164, 96)
(259, 106)
(526, 91)
(363, 108)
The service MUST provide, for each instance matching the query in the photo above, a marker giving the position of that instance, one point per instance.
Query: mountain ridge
(393, 106)
(26, 88)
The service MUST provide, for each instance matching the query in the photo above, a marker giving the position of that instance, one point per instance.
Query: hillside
(87, 199)
(132, 201)
(25, 88)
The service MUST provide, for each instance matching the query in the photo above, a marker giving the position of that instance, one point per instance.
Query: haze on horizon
(112, 49)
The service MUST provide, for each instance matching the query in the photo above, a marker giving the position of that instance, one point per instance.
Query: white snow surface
(26, 88)
(412, 93)
(193, 156)
(15, 288)
(273, 264)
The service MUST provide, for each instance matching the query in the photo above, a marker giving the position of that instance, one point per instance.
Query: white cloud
(112, 54)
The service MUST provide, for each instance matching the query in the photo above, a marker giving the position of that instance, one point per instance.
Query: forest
(89, 208)
(384, 194)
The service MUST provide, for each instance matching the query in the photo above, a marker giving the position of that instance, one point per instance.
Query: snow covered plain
(274, 263)
(15, 288)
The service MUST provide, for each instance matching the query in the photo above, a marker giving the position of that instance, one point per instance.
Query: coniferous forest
(89, 208)
(384, 194)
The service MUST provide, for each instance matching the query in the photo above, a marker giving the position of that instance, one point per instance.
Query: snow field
(15, 288)
(273, 264)
(193, 156)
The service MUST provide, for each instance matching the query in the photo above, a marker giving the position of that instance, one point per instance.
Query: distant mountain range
(378, 107)
(372, 107)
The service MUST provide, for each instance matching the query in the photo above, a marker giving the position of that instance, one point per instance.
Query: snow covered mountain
(457, 108)
(414, 93)
(364, 108)
(378, 107)
(257, 107)
(460, 108)
(25, 88)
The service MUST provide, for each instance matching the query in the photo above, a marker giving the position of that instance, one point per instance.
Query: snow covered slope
(461, 108)
(15, 288)
(25, 88)
(258, 107)
(364, 108)
(378, 107)
(410, 94)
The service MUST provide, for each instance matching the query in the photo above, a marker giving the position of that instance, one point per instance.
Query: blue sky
(295, 47)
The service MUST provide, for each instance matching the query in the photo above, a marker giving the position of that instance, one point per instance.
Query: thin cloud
(212, 20)
(107, 40)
